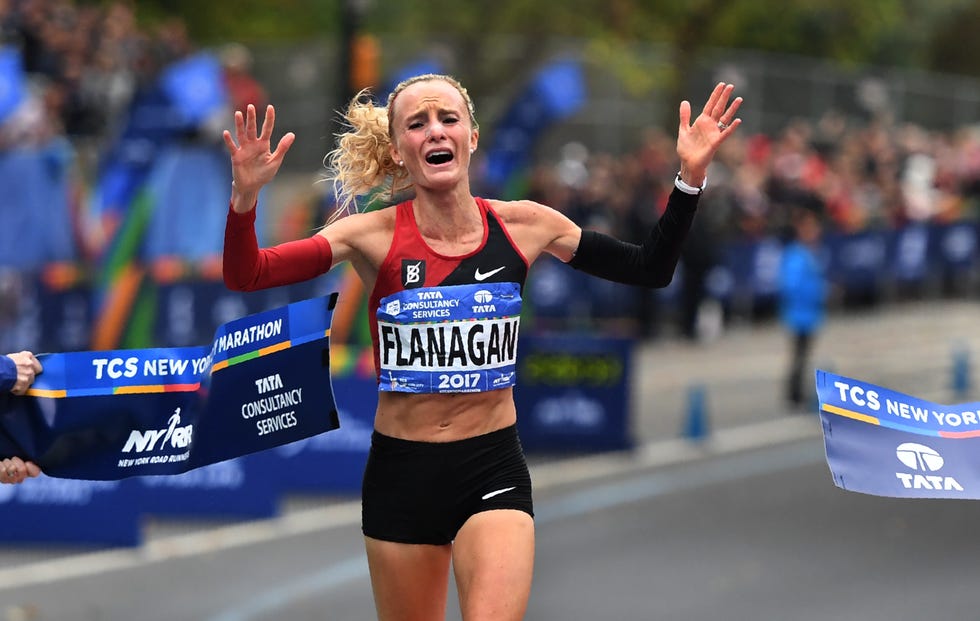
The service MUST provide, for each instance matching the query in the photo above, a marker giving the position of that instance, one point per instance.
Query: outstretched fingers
(685, 114)
(269, 123)
(728, 118)
(251, 124)
(715, 97)
(235, 143)
(229, 142)
(284, 143)
(247, 129)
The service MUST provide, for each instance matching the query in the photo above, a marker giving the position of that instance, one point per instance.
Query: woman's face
(432, 134)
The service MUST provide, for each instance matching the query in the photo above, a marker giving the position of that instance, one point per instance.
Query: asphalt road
(748, 528)
(746, 525)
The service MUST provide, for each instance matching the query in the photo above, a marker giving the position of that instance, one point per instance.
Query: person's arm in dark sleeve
(650, 264)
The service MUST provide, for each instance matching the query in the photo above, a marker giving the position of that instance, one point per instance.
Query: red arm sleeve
(246, 267)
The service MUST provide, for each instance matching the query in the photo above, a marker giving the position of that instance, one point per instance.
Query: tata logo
(394, 307)
(924, 460)
(483, 299)
(919, 457)
(483, 296)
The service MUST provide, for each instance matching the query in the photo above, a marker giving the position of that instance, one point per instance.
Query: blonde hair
(362, 160)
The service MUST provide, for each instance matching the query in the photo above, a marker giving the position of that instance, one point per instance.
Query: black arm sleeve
(651, 263)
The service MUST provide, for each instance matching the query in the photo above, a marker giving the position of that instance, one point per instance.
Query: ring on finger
(722, 125)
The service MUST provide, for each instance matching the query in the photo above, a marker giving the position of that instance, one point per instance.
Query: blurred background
(115, 175)
(115, 184)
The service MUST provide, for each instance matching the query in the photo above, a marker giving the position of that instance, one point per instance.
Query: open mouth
(439, 157)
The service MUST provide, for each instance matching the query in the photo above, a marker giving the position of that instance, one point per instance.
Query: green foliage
(219, 21)
(928, 34)
(955, 47)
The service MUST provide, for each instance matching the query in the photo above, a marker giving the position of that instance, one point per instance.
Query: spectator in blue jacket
(802, 297)
(17, 372)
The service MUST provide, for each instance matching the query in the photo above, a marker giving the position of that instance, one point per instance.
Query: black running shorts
(423, 492)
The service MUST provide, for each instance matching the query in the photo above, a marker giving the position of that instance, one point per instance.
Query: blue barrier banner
(13, 82)
(333, 463)
(49, 510)
(572, 393)
(244, 487)
(105, 415)
(886, 443)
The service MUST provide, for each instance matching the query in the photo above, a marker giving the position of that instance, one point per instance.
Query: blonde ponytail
(362, 160)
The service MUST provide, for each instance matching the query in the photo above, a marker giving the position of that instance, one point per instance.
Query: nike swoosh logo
(483, 276)
(499, 491)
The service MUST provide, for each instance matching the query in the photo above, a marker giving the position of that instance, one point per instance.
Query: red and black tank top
(412, 264)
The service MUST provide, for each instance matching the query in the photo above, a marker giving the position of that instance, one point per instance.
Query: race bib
(460, 338)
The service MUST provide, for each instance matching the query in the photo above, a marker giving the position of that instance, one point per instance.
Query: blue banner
(242, 487)
(573, 393)
(333, 463)
(263, 382)
(13, 86)
(49, 510)
(886, 443)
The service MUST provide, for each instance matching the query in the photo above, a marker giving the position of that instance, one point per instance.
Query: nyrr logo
(924, 460)
(178, 437)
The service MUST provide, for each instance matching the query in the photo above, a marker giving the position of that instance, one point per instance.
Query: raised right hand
(253, 163)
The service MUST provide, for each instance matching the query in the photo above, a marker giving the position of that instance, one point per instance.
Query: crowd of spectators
(86, 62)
(856, 175)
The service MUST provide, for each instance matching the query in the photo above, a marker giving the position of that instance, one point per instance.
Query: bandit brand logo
(413, 273)
(924, 460)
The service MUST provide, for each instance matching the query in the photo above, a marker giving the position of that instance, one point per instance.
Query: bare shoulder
(524, 212)
(538, 228)
(368, 222)
(361, 235)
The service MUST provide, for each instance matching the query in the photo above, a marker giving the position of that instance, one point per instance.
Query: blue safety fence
(51, 309)
(36, 208)
(572, 393)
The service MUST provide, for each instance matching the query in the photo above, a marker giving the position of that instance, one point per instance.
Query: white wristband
(689, 189)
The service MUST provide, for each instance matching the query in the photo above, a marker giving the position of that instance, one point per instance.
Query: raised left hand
(697, 142)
